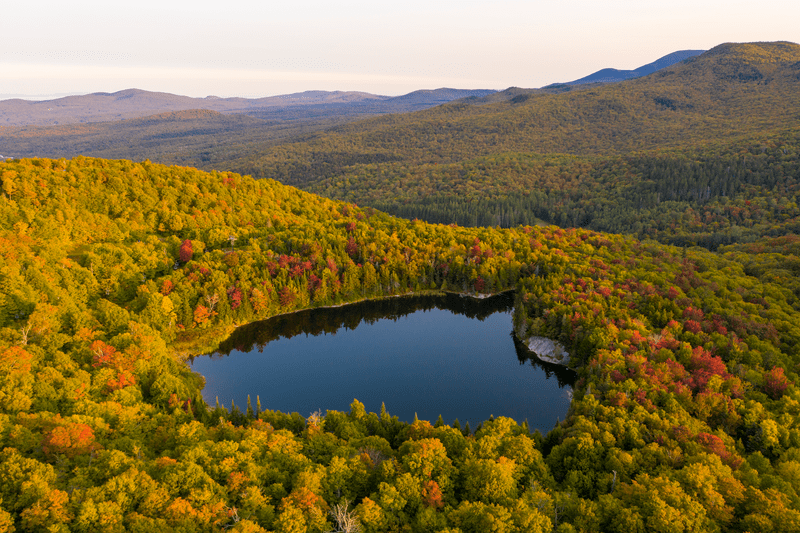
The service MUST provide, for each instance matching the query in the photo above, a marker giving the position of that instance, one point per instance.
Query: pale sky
(255, 48)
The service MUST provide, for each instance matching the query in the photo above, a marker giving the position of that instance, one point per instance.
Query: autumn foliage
(775, 383)
(69, 439)
(185, 252)
(682, 418)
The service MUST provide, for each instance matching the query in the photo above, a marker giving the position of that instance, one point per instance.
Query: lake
(430, 355)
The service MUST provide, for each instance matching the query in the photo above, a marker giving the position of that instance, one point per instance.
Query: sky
(255, 48)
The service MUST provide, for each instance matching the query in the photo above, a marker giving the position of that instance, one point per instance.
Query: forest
(685, 416)
(700, 153)
(650, 226)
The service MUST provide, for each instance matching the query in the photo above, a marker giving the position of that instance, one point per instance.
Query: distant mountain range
(136, 103)
(610, 75)
(227, 133)
(732, 92)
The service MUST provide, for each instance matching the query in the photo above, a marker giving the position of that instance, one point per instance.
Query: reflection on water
(428, 355)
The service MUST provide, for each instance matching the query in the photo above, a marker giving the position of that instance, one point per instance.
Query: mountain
(424, 98)
(200, 132)
(358, 109)
(644, 156)
(610, 75)
(135, 103)
(729, 91)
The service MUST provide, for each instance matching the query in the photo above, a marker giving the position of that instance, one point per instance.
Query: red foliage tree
(432, 495)
(314, 283)
(235, 296)
(618, 398)
(332, 266)
(106, 356)
(692, 326)
(480, 284)
(286, 297)
(103, 355)
(123, 379)
(201, 314)
(186, 251)
(673, 293)
(167, 287)
(703, 366)
(775, 383)
(69, 439)
(304, 499)
(714, 444)
(693, 314)
(15, 360)
(351, 248)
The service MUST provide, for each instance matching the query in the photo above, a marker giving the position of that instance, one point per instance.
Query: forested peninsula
(684, 418)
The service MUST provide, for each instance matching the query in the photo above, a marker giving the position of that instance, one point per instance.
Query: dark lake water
(427, 355)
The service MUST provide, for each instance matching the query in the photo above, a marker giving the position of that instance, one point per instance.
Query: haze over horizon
(253, 49)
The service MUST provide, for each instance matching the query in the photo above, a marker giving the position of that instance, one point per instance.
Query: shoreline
(477, 296)
(226, 331)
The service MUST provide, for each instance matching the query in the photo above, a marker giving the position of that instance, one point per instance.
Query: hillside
(191, 138)
(671, 155)
(702, 152)
(720, 95)
(684, 418)
(200, 132)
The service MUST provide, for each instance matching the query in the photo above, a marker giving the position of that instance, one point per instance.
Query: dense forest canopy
(685, 417)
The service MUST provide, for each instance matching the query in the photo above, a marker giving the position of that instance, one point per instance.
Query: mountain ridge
(138, 103)
(551, 154)
(611, 75)
(726, 93)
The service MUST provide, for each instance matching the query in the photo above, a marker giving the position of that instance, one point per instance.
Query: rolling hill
(654, 156)
(201, 132)
(642, 156)
(727, 92)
